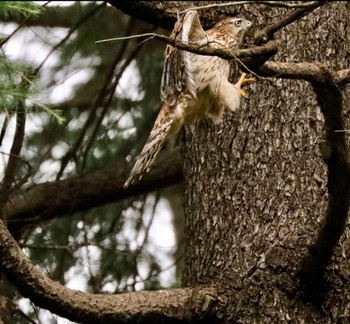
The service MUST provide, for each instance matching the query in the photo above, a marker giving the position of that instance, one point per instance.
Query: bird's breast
(209, 69)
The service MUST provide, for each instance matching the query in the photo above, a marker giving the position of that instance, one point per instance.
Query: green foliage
(19, 8)
(13, 85)
(17, 87)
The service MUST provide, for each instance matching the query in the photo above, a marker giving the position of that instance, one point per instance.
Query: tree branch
(59, 198)
(336, 155)
(327, 86)
(14, 155)
(166, 13)
(180, 305)
(281, 4)
(107, 90)
(312, 72)
(72, 29)
(269, 30)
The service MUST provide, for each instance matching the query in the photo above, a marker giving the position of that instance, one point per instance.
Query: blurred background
(87, 106)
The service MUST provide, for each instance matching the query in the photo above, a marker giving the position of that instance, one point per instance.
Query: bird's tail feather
(166, 124)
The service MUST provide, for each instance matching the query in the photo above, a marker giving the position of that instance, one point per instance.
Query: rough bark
(260, 192)
(7, 294)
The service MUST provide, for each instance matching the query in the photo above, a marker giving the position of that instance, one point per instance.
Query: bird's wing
(178, 69)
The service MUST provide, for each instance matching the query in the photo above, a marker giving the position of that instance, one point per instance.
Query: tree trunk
(257, 190)
(7, 293)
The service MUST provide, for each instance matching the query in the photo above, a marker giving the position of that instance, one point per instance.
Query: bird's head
(235, 27)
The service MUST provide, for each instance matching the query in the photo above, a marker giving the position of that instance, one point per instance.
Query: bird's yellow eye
(238, 23)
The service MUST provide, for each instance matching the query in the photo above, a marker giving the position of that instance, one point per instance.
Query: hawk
(193, 86)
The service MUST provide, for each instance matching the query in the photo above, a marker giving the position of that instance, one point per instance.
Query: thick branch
(255, 56)
(54, 199)
(170, 306)
(312, 72)
(58, 198)
(336, 155)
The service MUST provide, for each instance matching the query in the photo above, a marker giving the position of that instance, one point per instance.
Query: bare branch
(267, 33)
(303, 71)
(58, 198)
(71, 31)
(312, 72)
(281, 4)
(146, 306)
(4, 128)
(266, 50)
(98, 102)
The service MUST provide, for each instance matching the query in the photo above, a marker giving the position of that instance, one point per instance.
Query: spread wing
(178, 69)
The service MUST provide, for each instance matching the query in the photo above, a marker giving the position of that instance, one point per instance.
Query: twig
(148, 227)
(97, 103)
(281, 4)
(190, 47)
(269, 30)
(71, 31)
(112, 87)
(17, 183)
(206, 49)
(125, 37)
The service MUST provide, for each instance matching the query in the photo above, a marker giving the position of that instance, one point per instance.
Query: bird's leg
(242, 82)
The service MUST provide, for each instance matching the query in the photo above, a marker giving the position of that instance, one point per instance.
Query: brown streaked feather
(168, 122)
(177, 74)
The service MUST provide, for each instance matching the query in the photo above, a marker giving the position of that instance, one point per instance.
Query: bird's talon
(243, 93)
(242, 82)
(247, 81)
